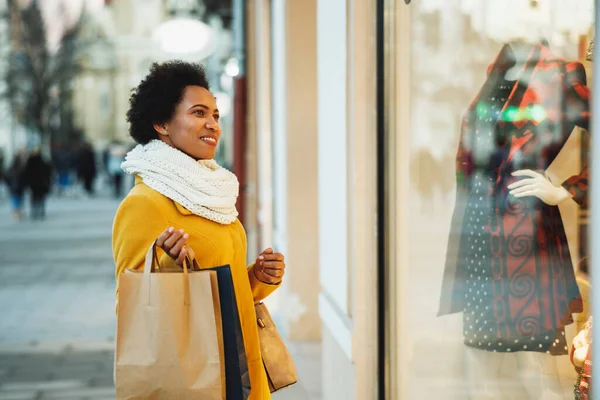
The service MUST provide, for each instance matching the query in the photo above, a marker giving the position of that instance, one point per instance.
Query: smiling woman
(174, 104)
(194, 126)
(185, 202)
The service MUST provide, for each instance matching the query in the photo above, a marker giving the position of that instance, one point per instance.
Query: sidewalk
(57, 289)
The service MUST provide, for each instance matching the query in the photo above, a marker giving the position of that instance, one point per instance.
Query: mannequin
(508, 267)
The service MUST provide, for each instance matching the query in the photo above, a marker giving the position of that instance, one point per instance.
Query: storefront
(312, 179)
(485, 109)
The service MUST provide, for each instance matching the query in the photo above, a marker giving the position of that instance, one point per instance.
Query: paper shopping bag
(170, 335)
(237, 376)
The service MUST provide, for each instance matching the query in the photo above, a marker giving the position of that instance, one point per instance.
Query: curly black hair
(154, 100)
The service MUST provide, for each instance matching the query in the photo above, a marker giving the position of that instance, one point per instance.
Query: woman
(182, 198)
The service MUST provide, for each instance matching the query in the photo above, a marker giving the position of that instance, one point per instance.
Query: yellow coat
(144, 214)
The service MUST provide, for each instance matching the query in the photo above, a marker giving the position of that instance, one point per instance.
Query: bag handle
(150, 267)
(152, 258)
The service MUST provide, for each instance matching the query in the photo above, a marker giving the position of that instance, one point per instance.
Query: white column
(263, 123)
(279, 121)
(332, 142)
(300, 174)
(347, 139)
(339, 374)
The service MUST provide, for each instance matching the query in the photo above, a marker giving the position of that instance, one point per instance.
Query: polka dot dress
(480, 329)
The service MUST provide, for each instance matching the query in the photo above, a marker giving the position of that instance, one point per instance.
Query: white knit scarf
(203, 187)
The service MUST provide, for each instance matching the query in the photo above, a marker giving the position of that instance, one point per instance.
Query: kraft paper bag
(169, 335)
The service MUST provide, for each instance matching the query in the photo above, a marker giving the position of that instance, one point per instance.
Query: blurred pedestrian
(15, 181)
(63, 162)
(86, 167)
(2, 165)
(38, 178)
(2, 174)
(115, 156)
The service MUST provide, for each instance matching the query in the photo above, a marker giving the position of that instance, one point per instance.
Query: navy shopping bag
(237, 379)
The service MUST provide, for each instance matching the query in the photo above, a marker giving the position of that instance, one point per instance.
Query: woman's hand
(269, 267)
(539, 186)
(173, 243)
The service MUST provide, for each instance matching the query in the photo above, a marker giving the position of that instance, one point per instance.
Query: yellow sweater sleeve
(137, 224)
(260, 290)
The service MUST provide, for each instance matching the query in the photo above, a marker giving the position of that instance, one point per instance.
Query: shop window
(497, 199)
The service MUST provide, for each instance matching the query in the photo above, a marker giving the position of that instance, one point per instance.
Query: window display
(515, 278)
(512, 276)
(499, 112)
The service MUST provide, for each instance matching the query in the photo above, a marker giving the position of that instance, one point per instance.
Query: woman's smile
(210, 140)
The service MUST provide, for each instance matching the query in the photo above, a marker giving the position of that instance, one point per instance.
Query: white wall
(279, 120)
(331, 70)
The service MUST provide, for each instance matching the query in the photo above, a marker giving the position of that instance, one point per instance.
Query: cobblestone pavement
(57, 291)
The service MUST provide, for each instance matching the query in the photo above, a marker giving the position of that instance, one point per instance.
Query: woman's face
(194, 128)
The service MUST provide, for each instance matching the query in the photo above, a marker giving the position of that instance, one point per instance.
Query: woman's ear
(161, 129)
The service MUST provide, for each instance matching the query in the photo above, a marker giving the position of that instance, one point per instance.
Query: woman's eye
(199, 112)
(216, 117)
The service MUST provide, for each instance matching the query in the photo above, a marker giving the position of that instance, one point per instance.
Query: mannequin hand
(269, 267)
(539, 186)
(580, 340)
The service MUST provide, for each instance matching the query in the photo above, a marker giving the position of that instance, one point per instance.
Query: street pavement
(57, 322)
(57, 291)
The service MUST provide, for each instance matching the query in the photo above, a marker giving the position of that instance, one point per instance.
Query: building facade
(371, 124)
(312, 168)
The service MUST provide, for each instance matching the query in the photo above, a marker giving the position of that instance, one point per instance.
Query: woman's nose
(211, 123)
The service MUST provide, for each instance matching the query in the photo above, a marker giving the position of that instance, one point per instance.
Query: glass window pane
(498, 169)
